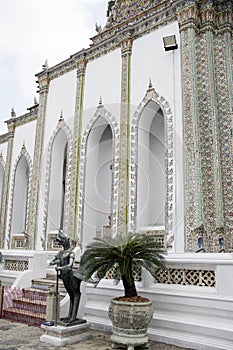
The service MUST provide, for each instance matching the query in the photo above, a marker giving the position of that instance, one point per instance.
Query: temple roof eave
(24, 118)
(112, 35)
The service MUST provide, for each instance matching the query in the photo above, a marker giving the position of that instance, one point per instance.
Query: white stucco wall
(24, 135)
(61, 98)
(150, 61)
(103, 79)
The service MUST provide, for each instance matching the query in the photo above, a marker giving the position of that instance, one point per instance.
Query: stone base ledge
(61, 336)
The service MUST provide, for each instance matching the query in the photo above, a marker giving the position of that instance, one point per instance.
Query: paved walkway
(17, 336)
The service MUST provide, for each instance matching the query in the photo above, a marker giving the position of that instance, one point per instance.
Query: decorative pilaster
(77, 132)
(224, 83)
(188, 23)
(6, 182)
(209, 137)
(206, 36)
(38, 148)
(123, 194)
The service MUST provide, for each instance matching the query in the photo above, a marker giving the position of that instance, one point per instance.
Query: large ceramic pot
(130, 322)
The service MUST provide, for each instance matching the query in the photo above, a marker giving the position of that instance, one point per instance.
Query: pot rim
(113, 300)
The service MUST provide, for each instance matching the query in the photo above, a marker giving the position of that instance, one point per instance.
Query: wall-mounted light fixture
(169, 43)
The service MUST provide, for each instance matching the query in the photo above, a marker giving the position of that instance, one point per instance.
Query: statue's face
(62, 239)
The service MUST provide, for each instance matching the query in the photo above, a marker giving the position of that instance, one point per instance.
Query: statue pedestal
(61, 336)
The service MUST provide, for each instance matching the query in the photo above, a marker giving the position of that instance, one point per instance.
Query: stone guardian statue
(64, 261)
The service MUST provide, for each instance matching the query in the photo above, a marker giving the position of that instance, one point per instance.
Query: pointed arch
(101, 112)
(152, 96)
(19, 201)
(66, 147)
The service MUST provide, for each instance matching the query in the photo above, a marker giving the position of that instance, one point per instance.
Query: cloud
(36, 30)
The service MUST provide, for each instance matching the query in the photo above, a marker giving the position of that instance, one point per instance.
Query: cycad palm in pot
(130, 314)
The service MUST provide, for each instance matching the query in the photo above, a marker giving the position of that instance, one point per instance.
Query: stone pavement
(17, 336)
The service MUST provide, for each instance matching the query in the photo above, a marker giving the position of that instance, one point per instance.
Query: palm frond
(126, 251)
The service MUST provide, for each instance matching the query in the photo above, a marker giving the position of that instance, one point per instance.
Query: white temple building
(134, 133)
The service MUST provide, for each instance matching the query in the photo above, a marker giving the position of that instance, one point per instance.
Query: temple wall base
(192, 316)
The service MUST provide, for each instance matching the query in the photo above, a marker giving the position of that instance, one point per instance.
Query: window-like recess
(151, 179)
(56, 203)
(20, 196)
(98, 180)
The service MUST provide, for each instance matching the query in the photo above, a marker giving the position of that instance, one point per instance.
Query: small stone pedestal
(129, 342)
(61, 336)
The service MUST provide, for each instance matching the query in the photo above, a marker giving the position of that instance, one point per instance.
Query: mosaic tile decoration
(224, 83)
(206, 36)
(124, 139)
(2, 166)
(122, 10)
(77, 133)
(159, 236)
(37, 158)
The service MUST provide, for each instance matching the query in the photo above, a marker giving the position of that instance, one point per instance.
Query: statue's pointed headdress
(61, 237)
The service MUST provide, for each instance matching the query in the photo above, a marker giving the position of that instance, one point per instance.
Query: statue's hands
(63, 268)
(54, 262)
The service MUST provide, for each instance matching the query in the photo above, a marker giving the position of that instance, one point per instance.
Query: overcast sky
(33, 31)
